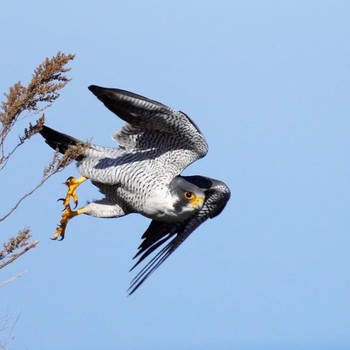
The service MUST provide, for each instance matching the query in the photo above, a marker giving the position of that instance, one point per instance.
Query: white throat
(160, 206)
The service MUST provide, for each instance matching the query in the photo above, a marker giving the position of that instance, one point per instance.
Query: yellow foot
(66, 216)
(72, 184)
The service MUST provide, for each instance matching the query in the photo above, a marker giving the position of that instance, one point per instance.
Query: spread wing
(152, 126)
(158, 233)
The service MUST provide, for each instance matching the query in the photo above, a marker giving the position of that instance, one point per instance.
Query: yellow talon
(72, 184)
(66, 216)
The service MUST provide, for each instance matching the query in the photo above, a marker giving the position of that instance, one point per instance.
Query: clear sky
(268, 83)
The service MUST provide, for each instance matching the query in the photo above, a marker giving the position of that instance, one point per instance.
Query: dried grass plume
(25, 102)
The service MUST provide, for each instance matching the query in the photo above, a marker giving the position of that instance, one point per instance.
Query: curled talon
(55, 238)
(64, 207)
(66, 216)
(59, 237)
(72, 184)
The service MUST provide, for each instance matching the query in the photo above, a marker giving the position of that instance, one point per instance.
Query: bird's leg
(66, 216)
(72, 184)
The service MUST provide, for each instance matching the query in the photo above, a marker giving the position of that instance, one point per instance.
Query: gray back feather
(151, 125)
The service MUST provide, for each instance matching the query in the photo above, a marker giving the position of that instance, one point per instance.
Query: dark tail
(57, 140)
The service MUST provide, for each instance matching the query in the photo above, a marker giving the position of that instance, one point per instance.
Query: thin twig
(17, 255)
(13, 278)
(28, 133)
(57, 164)
(24, 197)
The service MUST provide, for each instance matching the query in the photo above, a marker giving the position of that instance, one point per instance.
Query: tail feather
(57, 140)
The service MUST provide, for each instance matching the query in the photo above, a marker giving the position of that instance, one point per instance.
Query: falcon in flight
(142, 175)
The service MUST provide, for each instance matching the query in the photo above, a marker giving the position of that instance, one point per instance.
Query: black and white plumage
(142, 175)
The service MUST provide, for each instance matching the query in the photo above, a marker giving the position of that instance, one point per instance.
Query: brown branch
(40, 93)
(22, 101)
(24, 197)
(17, 255)
(56, 165)
(28, 133)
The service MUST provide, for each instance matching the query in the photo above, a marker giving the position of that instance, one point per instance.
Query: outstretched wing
(152, 126)
(158, 233)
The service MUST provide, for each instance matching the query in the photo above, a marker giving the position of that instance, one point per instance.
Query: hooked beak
(197, 202)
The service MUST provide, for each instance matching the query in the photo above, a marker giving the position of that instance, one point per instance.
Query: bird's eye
(189, 195)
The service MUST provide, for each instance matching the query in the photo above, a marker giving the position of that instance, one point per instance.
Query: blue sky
(268, 83)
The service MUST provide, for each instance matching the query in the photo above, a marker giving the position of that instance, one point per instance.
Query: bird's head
(189, 197)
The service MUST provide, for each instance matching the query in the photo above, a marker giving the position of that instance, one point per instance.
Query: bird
(143, 175)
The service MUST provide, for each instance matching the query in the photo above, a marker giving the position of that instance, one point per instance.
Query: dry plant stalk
(7, 325)
(9, 252)
(23, 101)
(58, 163)
(40, 93)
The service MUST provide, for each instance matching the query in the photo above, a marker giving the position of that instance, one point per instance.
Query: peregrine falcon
(142, 175)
